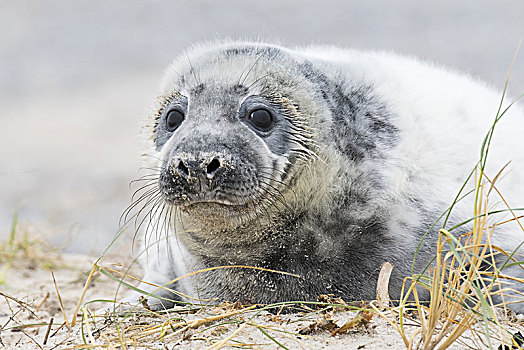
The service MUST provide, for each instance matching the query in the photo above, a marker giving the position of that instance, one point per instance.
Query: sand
(29, 302)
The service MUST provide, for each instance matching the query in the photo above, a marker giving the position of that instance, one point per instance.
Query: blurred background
(77, 77)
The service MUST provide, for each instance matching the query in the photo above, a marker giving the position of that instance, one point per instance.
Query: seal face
(322, 163)
(228, 144)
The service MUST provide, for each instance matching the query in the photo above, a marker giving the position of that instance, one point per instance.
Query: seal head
(230, 143)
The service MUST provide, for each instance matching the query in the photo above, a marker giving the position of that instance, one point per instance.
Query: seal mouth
(218, 202)
(225, 202)
(210, 199)
(218, 213)
(198, 205)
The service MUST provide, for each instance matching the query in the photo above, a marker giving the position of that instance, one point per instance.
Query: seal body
(319, 162)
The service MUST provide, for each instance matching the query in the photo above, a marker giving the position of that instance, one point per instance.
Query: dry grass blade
(202, 321)
(19, 302)
(158, 287)
(143, 333)
(33, 339)
(88, 327)
(82, 296)
(48, 330)
(223, 342)
(232, 267)
(361, 319)
(59, 298)
(44, 299)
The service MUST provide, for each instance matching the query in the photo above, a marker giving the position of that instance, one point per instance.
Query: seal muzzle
(209, 177)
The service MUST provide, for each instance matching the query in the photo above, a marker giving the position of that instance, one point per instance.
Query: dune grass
(26, 247)
(467, 289)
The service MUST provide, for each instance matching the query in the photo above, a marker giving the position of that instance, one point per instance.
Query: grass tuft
(23, 247)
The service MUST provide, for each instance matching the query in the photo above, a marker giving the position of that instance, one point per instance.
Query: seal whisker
(136, 216)
(162, 161)
(146, 176)
(286, 186)
(163, 231)
(276, 192)
(144, 189)
(149, 215)
(165, 228)
(149, 205)
(249, 71)
(144, 196)
(148, 181)
(256, 81)
(277, 181)
(192, 70)
(154, 218)
(157, 228)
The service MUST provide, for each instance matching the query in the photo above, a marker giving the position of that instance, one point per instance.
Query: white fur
(442, 118)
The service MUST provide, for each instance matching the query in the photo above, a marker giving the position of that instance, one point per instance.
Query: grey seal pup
(320, 162)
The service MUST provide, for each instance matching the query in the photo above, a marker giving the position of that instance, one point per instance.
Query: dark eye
(173, 120)
(261, 119)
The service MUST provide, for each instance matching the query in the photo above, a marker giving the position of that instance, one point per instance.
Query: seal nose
(205, 168)
(182, 169)
(213, 167)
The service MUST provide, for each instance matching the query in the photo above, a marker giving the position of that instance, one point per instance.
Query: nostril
(213, 166)
(182, 168)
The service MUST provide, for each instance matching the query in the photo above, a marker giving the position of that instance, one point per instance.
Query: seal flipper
(152, 296)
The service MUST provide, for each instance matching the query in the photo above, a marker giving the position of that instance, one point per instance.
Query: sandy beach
(30, 303)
